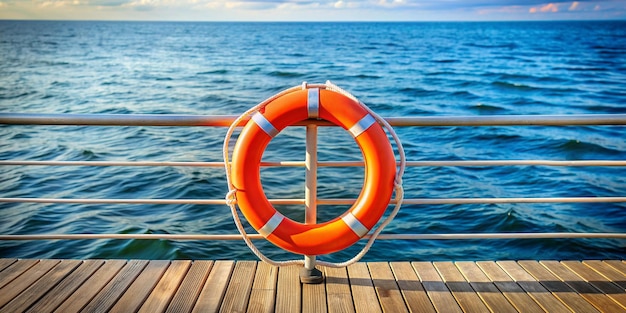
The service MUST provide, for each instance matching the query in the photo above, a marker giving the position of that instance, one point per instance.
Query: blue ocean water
(398, 69)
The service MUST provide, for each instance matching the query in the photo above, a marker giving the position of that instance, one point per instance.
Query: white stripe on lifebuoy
(362, 125)
(265, 125)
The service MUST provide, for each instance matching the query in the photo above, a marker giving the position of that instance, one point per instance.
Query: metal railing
(311, 199)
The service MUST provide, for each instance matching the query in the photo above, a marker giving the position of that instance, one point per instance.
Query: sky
(312, 10)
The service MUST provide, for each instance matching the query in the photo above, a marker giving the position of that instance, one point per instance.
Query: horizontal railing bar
(325, 163)
(486, 200)
(111, 163)
(138, 201)
(519, 162)
(258, 236)
(139, 163)
(322, 201)
(511, 120)
(226, 120)
(117, 119)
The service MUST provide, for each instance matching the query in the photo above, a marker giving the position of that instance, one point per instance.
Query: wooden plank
(587, 291)
(467, 298)
(239, 287)
(510, 289)
(4, 263)
(106, 298)
(41, 286)
(437, 291)
(362, 287)
(387, 289)
(609, 272)
(611, 290)
(263, 295)
(163, 292)
(213, 290)
(314, 297)
(52, 299)
(14, 270)
(288, 290)
(91, 286)
(338, 294)
(412, 290)
(563, 294)
(142, 286)
(618, 265)
(486, 290)
(186, 296)
(15, 287)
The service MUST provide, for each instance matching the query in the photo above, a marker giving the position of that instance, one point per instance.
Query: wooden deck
(229, 286)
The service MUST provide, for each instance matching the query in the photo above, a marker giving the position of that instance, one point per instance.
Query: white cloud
(392, 3)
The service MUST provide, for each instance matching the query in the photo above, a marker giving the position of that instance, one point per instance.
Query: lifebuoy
(378, 186)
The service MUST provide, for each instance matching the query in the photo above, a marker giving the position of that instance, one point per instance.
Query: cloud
(550, 7)
(617, 7)
(109, 3)
(63, 3)
(143, 5)
(59, 3)
(497, 4)
(513, 9)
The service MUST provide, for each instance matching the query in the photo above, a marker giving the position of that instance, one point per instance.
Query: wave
(419, 92)
(484, 108)
(16, 94)
(525, 77)
(446, 61)
(297, 55)
(573, 68)
(511, 45)
(464, 94)
(214, 72)
(576, 149)
(513, 86)
(366, 76)
(285, 74)
(116, 110)
(441, 73)
(609, 50)
(138, 249)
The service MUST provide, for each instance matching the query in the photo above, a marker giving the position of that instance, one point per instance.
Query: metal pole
(309, 274)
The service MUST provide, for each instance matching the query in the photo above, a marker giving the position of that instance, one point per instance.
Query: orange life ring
(378, 186)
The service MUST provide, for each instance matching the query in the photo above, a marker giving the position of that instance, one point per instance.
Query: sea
(397, 69)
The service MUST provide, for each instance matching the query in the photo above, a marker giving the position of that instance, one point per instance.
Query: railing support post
(309, 274)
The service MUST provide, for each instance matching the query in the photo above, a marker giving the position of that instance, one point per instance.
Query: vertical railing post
(309, 274)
